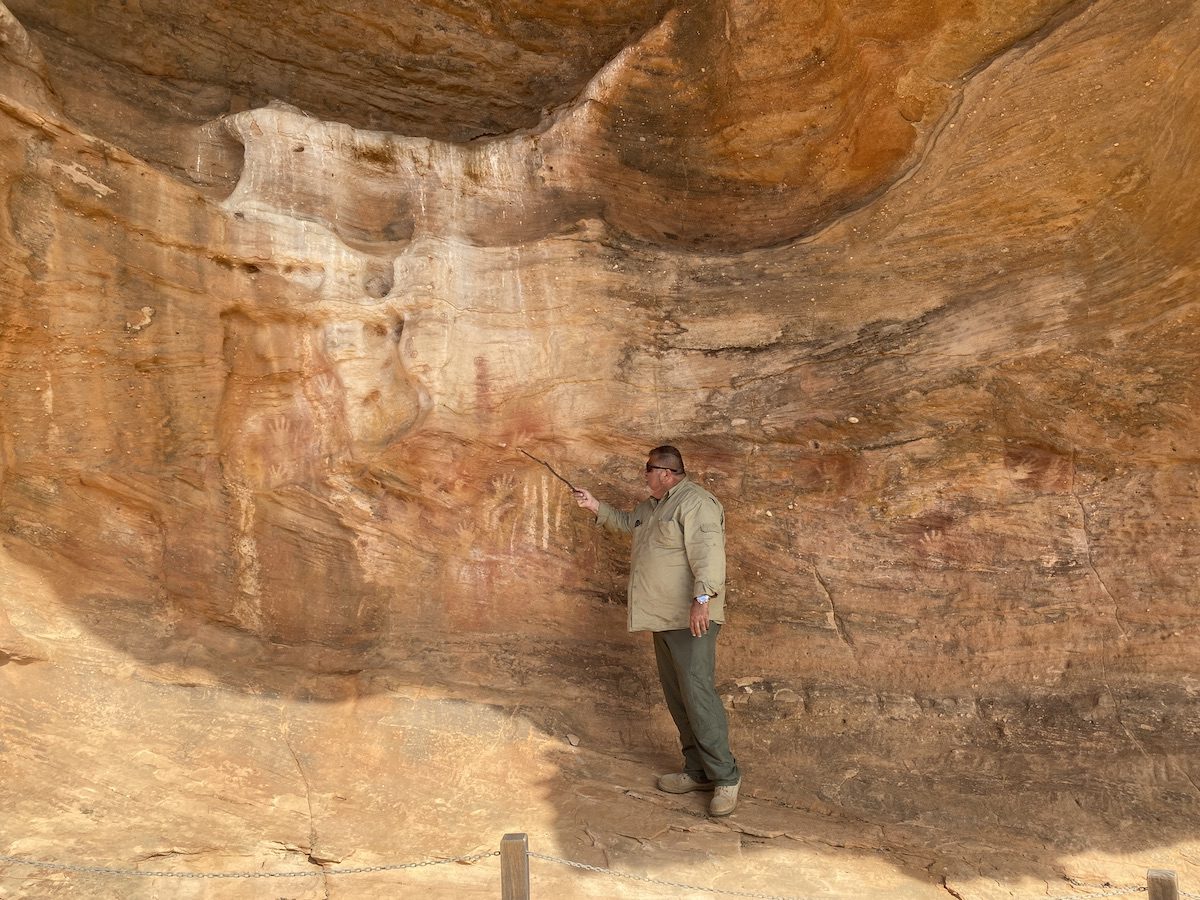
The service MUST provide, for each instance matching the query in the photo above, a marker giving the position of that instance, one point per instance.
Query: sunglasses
(664, 468)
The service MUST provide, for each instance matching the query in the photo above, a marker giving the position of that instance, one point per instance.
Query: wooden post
(514, 867)
(1161, 885)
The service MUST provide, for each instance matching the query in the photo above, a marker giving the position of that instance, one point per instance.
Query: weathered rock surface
(285, 295)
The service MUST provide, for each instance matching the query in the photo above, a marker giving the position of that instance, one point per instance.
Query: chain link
(648, 880)
(357, 870)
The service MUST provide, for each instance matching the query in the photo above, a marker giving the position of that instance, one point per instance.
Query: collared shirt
(678, 554)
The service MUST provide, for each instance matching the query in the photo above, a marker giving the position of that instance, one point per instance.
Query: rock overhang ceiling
(769, 119)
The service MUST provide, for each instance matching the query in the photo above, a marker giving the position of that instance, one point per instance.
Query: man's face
(659, 478)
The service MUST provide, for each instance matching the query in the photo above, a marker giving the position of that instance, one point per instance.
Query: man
(677, 591)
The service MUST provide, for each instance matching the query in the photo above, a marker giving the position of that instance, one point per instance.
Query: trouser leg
(687, 668)
(668, 677)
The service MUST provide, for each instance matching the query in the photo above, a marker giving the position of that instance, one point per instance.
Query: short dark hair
(668, 454)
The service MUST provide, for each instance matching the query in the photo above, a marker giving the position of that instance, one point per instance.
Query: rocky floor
(193, 776)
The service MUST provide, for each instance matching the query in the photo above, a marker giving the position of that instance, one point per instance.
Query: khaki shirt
(678, 554)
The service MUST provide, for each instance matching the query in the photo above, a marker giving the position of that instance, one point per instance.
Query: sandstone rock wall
(915, 292)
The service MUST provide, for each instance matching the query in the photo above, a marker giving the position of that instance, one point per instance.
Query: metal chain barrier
(1114, 892)
(648, 880)
(1118, 892)
(474, 857)
(314, 873)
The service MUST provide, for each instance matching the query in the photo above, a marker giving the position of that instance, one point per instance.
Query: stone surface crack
(897, 442)
(838, 625)
(1117, 711)
(1186, 777)
(1087, 546)
(312, 825)
(1067, 13)
(174, 852)
(949, 890)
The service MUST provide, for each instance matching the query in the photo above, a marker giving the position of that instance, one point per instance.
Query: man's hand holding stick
(582, 497)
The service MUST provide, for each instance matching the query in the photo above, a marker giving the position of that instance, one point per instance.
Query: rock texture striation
(288, 289)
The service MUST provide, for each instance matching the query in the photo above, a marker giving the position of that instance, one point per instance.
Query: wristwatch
(702, 599)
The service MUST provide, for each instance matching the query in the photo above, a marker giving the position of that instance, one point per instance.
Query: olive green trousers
(687, 670)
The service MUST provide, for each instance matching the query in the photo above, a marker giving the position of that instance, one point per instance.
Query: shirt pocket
(667, 535)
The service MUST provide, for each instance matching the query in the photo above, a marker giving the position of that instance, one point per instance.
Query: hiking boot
(724, 799)
(682, 783)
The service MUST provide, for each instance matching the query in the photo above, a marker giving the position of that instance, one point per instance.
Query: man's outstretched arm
(612, 519)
